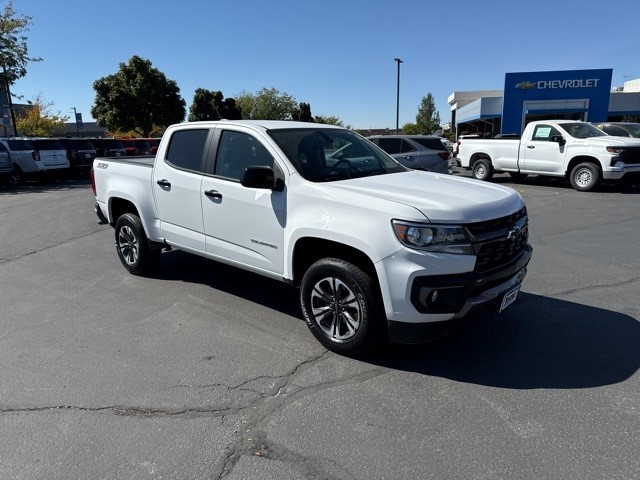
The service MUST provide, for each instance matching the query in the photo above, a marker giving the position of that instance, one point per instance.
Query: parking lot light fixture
(398, 96)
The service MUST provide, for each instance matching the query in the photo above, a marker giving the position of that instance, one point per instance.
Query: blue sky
(336, 55)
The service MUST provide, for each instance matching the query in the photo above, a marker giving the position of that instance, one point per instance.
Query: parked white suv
(30, 156)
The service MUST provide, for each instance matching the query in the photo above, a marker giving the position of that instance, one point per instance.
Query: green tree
(38, 121)
(267, 104)
(302, 113)
(412, 129)
(329, 120)
(137, 97)
(14, 51)
(428, 118)
(210, 105)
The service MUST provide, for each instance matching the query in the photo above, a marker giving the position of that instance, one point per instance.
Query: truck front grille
(497, 242)
(630, 155)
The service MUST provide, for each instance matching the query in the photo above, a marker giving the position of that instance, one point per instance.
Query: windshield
(582, 130)
(324, 154)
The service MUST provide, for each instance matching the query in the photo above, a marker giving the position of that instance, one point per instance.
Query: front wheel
(133, 246)
(342, 307)
(585, 177)
(482, 169)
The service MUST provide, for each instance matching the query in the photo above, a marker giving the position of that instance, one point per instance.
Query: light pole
(398, 97)
(75, 115)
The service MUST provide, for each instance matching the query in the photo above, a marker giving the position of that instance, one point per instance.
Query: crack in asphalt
(251, 440)
(130, 411)
(587, 289)
(48, 247)
(578, 229)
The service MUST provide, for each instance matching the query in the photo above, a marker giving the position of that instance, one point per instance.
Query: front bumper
(456, 296)
(621, 171)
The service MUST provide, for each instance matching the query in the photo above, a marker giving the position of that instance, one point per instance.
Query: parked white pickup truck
(576, 151)
(378, 251)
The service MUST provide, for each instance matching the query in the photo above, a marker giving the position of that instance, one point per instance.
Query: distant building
(88, 129)
(572, 94)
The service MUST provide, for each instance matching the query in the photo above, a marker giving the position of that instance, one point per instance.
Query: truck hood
(612, 141)
(439, 197)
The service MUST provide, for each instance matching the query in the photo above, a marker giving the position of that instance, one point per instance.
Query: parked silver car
(5, 164)
(420, 152)
(620, 129)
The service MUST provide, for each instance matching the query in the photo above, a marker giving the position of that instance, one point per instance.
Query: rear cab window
(187, 149)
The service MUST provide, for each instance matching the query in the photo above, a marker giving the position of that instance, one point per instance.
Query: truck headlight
(433, 238)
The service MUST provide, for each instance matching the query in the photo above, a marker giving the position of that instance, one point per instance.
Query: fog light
(434, 296)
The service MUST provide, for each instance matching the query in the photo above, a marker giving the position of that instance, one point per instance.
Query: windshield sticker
(542, 132)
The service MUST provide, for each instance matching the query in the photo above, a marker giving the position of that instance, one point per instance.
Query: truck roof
(266, 124)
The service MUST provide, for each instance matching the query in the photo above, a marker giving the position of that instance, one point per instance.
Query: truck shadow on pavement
(539, 342)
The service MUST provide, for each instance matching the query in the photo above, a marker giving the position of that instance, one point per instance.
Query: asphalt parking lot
(205, 371)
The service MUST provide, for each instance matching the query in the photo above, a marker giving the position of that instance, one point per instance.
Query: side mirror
(559, 139)
(261, 177)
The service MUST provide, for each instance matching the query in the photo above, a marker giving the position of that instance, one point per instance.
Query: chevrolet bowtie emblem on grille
(514, 232)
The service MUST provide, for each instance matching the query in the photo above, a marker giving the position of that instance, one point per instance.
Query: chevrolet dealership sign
(542, 84)
(555, 93)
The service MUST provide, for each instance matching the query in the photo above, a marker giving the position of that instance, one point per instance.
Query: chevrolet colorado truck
(379, 252)
(577, 151)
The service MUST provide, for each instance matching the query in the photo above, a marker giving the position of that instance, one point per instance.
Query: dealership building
(572, 94)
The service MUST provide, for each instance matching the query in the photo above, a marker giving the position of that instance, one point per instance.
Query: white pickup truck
(379, 251)
(577, 151)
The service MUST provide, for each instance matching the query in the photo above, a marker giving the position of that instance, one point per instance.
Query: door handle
(213, 194)
(531, 146)
(407, 157)
(164, 183)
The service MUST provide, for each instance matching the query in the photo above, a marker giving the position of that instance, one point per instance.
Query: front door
(540, 154)
(243, 225)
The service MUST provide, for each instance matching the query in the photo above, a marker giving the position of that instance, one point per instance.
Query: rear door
(244, 225)
(177, 179)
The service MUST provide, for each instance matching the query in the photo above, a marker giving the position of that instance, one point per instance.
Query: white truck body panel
(538, 156)
(258, 229)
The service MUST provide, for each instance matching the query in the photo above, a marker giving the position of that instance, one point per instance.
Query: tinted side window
(615, 131)
(237, 151)
(406, 147)
(432, 143)
(17, 145)
(390, 145)
(186, 149)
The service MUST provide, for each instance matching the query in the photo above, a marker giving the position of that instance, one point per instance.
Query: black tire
(17, 176)
(482, 169)
(133, 246)
(351, 322)
(517, 176)
(585, 177)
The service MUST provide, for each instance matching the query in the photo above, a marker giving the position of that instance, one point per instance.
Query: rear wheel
(482, 169)
(585, 177)
(133, 246)
(342, 306)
